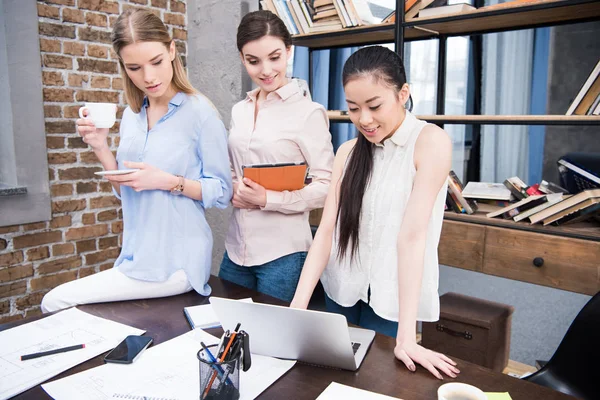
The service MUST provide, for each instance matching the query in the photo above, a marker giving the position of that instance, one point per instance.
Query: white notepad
(337, 391)
(203, 316)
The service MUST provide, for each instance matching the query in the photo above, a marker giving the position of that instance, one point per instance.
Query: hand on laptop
(411, 352)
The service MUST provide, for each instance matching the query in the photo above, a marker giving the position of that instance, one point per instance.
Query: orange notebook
(278, 177)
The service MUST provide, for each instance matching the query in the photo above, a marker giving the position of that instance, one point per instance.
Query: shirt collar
(284, 92)
(400, 137)
(175, 100)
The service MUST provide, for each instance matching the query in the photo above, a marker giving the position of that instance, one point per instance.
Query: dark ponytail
(385, 66)
(258, 24)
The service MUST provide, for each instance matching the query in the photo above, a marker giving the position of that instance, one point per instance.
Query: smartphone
(128, 350)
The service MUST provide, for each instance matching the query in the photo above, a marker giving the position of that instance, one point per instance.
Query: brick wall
(85, 233)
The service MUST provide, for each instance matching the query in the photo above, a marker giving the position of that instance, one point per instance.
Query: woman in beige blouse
(269, 234)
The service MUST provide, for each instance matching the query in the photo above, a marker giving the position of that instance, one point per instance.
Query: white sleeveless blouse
(376, 262)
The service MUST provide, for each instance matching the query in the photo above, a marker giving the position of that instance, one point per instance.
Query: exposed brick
(78, 173)
(3, 244)
(106, 187)
(51, 78)
(107, 215)
(117, 84)
(61, 189)
(93, 35)
(116, 227)
(88, 157)
(71, 111)
(108, 242)
(86, 245)
(38, 253)
(177, 6)
(29, 300)
(100, 96)
(51, 174)
(88, 219)
(174, 19)
(83, 272)
(95, 19)
(62, 158)
(98, 51)
(61, 2)
(55, 61)
(87, 187)
(99, 66)
(33, 312)
(60, 126)
(55, 142)
(73, 15)
(60, 222)
(11, 318)
(4, 307)
(52, 281)
(101, 82)
(13, 288)
(180, 34)
(9, 229)
(61, 264)
(56, 30)
(111, 20)
(77, 80)
(74, 48)
(68, 206)
(63, 249)
(50, 45)
(142, 2)
(110, 7)
(136, 7)
(106, 266)
(37, 239)
(48, 11)
(103, 202)
(58, 95)
(76, 143)
(181, 47)
(14, 273)
(16, 257)
(52, 111)
(86, 232)
(101, 256)
(36, 226)
(159, 3)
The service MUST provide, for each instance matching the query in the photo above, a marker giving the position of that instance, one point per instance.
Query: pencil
(214, 375)
(50, 352)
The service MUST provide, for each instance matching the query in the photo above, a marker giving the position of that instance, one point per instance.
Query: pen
(215, 367)
(49, 352)
(231, 338)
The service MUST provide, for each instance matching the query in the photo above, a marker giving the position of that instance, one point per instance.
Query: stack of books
(310, 16)
(587, 101)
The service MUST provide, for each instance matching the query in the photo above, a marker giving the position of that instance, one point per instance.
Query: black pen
(49, 352)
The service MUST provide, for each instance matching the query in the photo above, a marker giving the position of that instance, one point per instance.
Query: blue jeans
(362, 314)
(277, 278)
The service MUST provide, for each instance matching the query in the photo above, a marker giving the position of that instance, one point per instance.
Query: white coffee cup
(103, 115)
(460, 391)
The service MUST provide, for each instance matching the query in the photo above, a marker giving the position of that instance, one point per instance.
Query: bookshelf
(563, 257)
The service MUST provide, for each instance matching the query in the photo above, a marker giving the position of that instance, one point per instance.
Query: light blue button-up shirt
(164, 233)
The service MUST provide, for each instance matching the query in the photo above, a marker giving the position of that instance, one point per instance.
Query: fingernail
(412, 368)
(452, 375)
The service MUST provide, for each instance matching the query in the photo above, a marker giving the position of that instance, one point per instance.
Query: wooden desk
(380, 372)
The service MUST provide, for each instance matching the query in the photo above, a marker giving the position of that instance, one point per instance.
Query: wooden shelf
(495, 119)
(582, 230)
(524, 16)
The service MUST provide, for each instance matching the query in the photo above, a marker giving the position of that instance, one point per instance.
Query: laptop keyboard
(355, 347)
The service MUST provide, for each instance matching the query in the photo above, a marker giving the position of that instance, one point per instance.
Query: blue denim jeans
(362, 314)
(277, 278)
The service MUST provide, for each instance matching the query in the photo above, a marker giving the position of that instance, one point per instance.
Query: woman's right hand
(95, 137)
(238, 202)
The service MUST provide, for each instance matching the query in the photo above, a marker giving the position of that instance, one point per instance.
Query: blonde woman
(177, 141)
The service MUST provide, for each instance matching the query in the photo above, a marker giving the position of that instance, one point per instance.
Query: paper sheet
(169, 370)
(336, 391)
(498, 396)
(66, 328)
(203, 316)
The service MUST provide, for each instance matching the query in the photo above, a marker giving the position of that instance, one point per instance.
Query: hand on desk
(411, 352)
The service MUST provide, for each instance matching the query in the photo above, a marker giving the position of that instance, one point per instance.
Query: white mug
(460, 391)
(103, 115)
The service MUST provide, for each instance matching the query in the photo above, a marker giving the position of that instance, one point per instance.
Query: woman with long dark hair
(376, 247)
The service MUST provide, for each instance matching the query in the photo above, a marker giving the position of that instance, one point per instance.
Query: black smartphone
(128, 350)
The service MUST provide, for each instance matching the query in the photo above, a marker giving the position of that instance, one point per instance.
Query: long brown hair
(383, 65)
(138, 25)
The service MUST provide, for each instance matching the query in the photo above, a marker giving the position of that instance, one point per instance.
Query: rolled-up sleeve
(215, 175)
(315, 144)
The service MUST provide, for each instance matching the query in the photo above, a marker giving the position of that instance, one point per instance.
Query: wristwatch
(178, 189)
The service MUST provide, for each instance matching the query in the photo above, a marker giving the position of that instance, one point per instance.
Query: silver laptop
(312, 337)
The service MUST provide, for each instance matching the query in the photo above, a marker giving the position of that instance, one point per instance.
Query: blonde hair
(138, 25)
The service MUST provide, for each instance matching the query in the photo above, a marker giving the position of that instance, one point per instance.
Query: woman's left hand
(251, 192)
(147, 178)
(411, 352)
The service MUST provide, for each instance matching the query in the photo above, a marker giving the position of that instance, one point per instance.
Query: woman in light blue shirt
(176, 139)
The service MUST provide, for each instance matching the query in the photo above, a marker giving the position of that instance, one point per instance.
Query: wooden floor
(514, 368)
